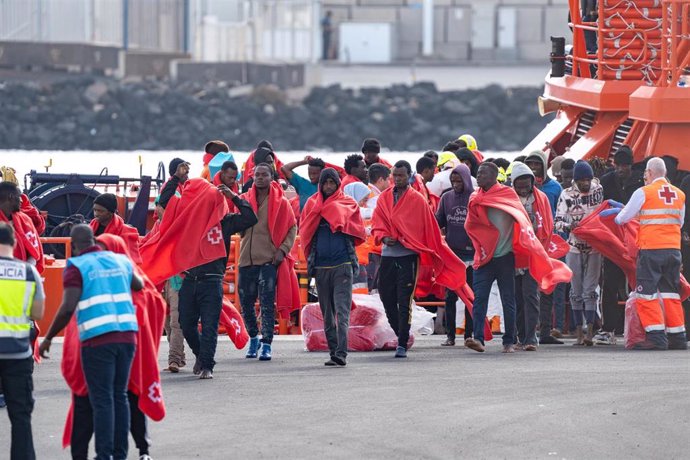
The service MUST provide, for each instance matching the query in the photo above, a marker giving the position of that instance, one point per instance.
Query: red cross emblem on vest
(214, 235)
(667, 194)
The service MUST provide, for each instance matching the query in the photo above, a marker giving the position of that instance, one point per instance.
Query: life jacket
(17, 290)
(660, 216)
(106, 303)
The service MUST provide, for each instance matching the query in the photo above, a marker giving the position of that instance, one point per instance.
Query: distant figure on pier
(326, 31)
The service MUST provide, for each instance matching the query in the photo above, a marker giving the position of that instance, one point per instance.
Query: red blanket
(178, 245)
(231, 320)
(618, 243)
(281, 219)
(128, 233)
(555, 246)
(412, 223)
(144, 378)
(28, 244)
(431, 199)
(33, 213)
(340, 211)
(546, 271)
(348, 179)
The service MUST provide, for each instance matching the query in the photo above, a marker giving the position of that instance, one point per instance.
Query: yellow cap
(469, 140)
(445, 157)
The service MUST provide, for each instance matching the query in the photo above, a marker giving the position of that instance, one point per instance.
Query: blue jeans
(501, 270)
(106, 369)
(259, 281)
(201, 299)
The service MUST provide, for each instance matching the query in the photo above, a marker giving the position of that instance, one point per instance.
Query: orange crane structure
(633, 89)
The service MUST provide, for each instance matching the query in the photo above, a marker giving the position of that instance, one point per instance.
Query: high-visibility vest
(17, 290)
(660, 216)
(106, 303)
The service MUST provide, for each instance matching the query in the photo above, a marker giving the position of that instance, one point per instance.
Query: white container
(366, 42)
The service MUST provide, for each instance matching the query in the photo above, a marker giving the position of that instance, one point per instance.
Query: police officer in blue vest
(21, 301)
(98, 285)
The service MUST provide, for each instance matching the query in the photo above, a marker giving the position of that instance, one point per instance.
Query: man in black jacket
(201, 295)
(618, 185)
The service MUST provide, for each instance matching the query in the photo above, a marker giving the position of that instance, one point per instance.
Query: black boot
(655, 340)
(677, 341)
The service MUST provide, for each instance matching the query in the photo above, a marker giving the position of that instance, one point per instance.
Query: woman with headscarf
(451, 215)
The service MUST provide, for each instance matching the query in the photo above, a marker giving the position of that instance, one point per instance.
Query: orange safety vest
(660, 216)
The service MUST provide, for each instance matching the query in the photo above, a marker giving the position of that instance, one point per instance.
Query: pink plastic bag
(634, 332)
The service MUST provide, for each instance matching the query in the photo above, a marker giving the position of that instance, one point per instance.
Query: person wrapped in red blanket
(538, 209)
(28, 247)
(404, 223)
(356, 170)
(228, 176)
(144, 389)
(264, 153)
(501, 231)
(266, 262)
(331, 227)
(106, 220)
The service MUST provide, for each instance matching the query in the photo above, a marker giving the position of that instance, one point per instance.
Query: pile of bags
(369, 329)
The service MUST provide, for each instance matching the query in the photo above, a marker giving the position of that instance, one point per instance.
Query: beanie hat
(623, 156)
(266, 144)
(329, 173)
(261, 154)
(371, 145)
(107, 200)
(174, 163)
(582, 171)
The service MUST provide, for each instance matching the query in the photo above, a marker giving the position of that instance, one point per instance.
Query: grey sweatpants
(334, 286)
(583, 286)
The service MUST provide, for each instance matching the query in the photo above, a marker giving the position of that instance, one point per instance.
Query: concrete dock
(560, 402)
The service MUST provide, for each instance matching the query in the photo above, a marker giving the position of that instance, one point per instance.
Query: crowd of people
(448, 229)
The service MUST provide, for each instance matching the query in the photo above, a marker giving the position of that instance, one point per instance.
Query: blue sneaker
(265, 352)
(2, 401)
(254, 347)
(400, 352)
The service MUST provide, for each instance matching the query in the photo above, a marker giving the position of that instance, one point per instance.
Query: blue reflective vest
(106, 303)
